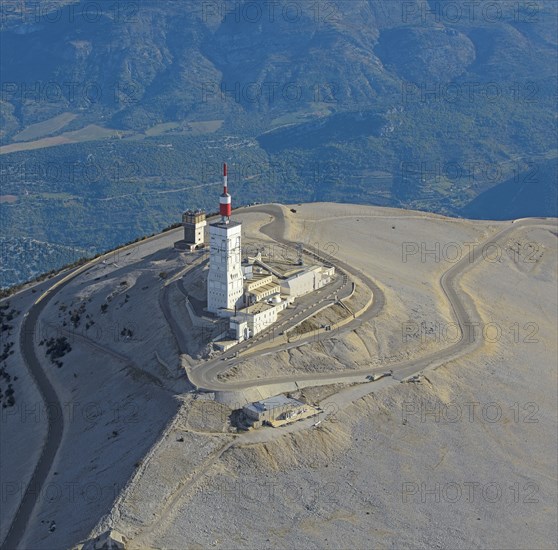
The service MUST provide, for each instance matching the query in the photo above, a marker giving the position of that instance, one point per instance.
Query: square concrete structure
(274, 408)
(225, 281)
(253, 319)
(194, 226)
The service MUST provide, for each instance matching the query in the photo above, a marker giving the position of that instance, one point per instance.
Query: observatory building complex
(250, 292)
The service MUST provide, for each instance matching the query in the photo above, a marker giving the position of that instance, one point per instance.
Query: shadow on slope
(531, 193)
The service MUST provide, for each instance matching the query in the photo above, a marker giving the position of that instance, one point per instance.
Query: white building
(255, 318)
(259, 287)
(308, 280)
(274, 408)
(225, 281)
(231, 286)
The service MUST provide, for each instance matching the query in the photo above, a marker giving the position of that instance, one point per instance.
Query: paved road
(207, 373)
(55, 419)
(53, 406)
(340, 400)
(205, 376)
(54, 431)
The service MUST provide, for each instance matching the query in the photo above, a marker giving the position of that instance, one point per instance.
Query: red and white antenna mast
(225, 204)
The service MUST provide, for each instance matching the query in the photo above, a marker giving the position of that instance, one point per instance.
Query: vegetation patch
(56, 348)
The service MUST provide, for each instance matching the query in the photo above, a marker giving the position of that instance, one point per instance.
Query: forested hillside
(116, 115)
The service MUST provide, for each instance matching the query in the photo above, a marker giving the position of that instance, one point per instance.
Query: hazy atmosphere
(278, 274)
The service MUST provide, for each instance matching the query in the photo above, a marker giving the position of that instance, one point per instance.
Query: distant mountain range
(115, 116)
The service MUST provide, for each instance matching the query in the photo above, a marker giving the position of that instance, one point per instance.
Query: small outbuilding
(277, 411)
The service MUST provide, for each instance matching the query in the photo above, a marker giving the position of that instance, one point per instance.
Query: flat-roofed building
(257, 280)
(275, 408)
(307, 280)
(255, 318)
(194, 224)
(260, 287)
(262, 292)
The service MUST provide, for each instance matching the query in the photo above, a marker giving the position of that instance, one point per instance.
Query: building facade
(279, 407)
(194, 226)
(253, 319)
(225, 280)
(307, 280)
(259, 287)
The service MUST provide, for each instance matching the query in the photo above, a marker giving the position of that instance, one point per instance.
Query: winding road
(55, 418)
(205, 375)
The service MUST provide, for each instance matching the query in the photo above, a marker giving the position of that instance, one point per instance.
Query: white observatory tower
(225, 282)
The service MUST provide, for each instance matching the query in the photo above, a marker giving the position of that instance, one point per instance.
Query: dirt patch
(8, 199)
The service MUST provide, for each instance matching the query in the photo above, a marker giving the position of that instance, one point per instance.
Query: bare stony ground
(116, 397)
(464, 459)
(386, 475)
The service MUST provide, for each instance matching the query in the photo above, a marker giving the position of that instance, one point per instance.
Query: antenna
(299, 247)
(225, 203)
